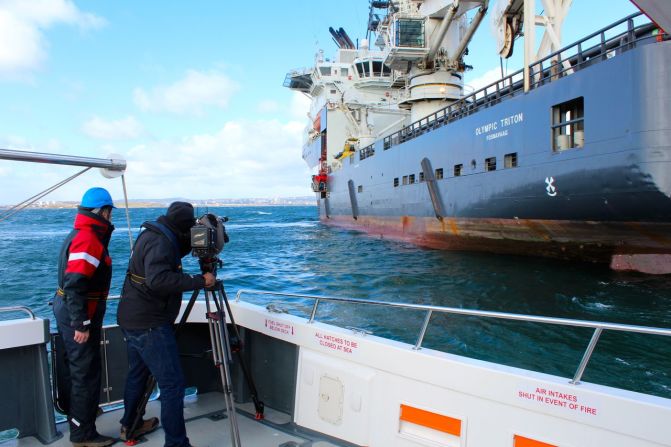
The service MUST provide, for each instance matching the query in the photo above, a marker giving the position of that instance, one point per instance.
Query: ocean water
(287, 249)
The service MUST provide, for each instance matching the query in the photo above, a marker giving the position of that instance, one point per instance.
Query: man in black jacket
(150, 302)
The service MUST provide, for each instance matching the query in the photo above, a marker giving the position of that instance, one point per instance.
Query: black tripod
(217, 306)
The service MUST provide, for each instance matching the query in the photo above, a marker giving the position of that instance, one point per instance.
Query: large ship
(567, 158)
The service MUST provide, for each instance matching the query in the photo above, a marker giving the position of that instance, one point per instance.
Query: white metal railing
(598, 326)
(25, 309)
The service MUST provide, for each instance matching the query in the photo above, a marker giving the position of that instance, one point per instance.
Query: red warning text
(336, 343)
(278, 326)
(555, 398)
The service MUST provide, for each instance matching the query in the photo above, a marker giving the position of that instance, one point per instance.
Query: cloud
(487, 78)
(189, 95)
(300, 106)
(22, 25)
(268, 106)
(259, 158)
(123, 129)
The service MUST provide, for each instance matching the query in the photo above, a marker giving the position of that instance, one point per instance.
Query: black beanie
(180, 214)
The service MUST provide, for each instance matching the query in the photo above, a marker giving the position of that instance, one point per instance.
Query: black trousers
(84, 370)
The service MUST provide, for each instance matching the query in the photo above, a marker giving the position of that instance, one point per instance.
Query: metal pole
(314, 311)
(55, 159)
(125, 198)
(586, 356)
(418, 345)
(529, 39)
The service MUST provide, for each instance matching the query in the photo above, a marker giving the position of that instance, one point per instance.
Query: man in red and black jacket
(84, 276)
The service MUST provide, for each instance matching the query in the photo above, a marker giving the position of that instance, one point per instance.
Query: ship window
(405, 179)
(421, 176)
(386, 71)
(359, 188)
(325, 71)
(490, 164)
(439, 173)
(510, 160)
(333, 92)
(411, 178)
(363, 68)
(344, 72)
(568, 125)
(377, 68)
(457, 170)
(410, 33)
(395, 182)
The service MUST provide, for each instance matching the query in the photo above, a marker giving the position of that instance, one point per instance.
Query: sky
(189, 93)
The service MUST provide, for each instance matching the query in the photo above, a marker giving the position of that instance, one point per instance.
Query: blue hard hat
(97, 198)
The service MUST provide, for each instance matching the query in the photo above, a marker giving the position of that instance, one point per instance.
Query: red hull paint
(570, 240)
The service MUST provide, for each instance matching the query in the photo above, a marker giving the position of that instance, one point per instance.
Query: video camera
(208, 237)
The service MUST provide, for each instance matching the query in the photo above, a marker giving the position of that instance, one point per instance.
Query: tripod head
(210, 264)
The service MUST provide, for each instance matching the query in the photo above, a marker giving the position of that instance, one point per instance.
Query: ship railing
(598, 46)
(16, 309)
(601, 45)
(430, 310)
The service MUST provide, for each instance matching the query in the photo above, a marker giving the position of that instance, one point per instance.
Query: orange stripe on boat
(521, 441)
(428, 419)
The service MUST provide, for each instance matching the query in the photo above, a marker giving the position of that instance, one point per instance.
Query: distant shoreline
(166, 203)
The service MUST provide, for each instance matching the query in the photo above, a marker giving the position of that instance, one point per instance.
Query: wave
(273, 225)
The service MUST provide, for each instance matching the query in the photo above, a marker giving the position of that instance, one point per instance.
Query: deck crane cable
(29, 201)
(125, 199)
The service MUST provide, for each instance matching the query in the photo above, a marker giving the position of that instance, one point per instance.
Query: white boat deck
(206, 426)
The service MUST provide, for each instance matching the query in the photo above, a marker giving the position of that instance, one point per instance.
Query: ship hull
(598, 202)
(599, 242)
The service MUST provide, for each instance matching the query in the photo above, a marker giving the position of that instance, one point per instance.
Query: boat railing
(429, 310)
(598, 46)
(14, 309)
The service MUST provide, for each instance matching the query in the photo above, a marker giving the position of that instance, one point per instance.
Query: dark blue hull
(610, 194)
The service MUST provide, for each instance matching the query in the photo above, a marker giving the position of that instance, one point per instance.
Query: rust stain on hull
(570, 240)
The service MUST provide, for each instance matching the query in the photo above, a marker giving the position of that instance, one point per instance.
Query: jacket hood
(180, 216)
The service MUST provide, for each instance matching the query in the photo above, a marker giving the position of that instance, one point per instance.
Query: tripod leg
(142, 405)
(258, 405)
(187, 311)
(221, 353)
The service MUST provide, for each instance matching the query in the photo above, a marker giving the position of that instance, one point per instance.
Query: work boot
(97, 441)
(145, 427)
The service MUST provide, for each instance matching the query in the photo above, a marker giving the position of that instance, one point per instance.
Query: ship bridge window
(325, 71)
(363, 69)
(410, 33)
(568, 125)
(344, 72)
